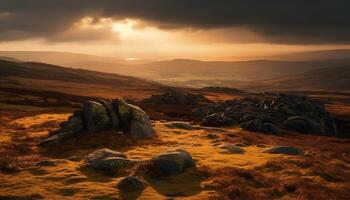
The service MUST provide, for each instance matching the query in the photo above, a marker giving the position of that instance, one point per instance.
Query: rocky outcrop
(175, 97)
(171, 163)
(96, 116)
(271, 113)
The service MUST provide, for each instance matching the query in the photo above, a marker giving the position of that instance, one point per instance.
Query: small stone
(131, 184)
(232, 149)
(287, 150)
(170, 163)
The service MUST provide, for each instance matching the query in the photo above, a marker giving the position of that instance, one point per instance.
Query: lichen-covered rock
(140, 125)
(111, 111)
(96, 117)
(141, 130)
(74, 123)
(124, 112)
(107, 161)
(284, 150)
(131, 184)
(170, 163)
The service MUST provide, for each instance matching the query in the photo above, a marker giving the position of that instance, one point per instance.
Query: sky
(169, 29)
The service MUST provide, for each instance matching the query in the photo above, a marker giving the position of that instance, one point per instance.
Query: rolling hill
(330, 78)
(71, 81)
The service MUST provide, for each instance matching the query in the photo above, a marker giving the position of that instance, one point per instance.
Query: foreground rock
(131, 184)
(103, 115)
(284, 150)
(171, 163)
(271, 113)
(107, 161)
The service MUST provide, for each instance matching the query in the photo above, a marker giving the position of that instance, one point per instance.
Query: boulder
(107, 161)
(140, 126)
(284, 150)
(96, 117)
(303, 125)
(74, 123)
(270, 128)
(253, 125)
(111, 111)
(131, 184)
(141, 130)
(124, 112)
(171, 163)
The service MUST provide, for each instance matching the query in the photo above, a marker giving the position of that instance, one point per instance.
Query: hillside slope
(331, 78)
(71, 81)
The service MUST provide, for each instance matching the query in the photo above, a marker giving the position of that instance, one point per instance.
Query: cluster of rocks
(111, 162)
(102, 115)
(270, 113)
(175, 97)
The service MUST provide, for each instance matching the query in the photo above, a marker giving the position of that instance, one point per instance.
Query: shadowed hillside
(72, 81)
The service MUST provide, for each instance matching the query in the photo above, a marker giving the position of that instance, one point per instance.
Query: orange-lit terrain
(323, 171)
(174, 100)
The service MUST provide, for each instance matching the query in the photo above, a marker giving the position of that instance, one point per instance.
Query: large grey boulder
(96, 116)
(124, 112)
(107, 161)
(111, 111)
(140, 125)
(171, 163)
(74, 123)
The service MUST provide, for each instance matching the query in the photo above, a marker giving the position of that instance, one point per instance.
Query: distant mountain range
(317, 70)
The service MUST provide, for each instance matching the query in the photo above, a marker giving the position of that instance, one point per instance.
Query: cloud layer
(276, 21)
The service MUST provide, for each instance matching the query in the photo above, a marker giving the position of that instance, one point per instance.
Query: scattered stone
(287, 150)
(232, 149)
(171, 163)
(107, 161)
(180, 125)
(242, 144)
(131, 184)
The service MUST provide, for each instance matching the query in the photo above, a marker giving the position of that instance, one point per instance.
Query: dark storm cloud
(280, 21)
